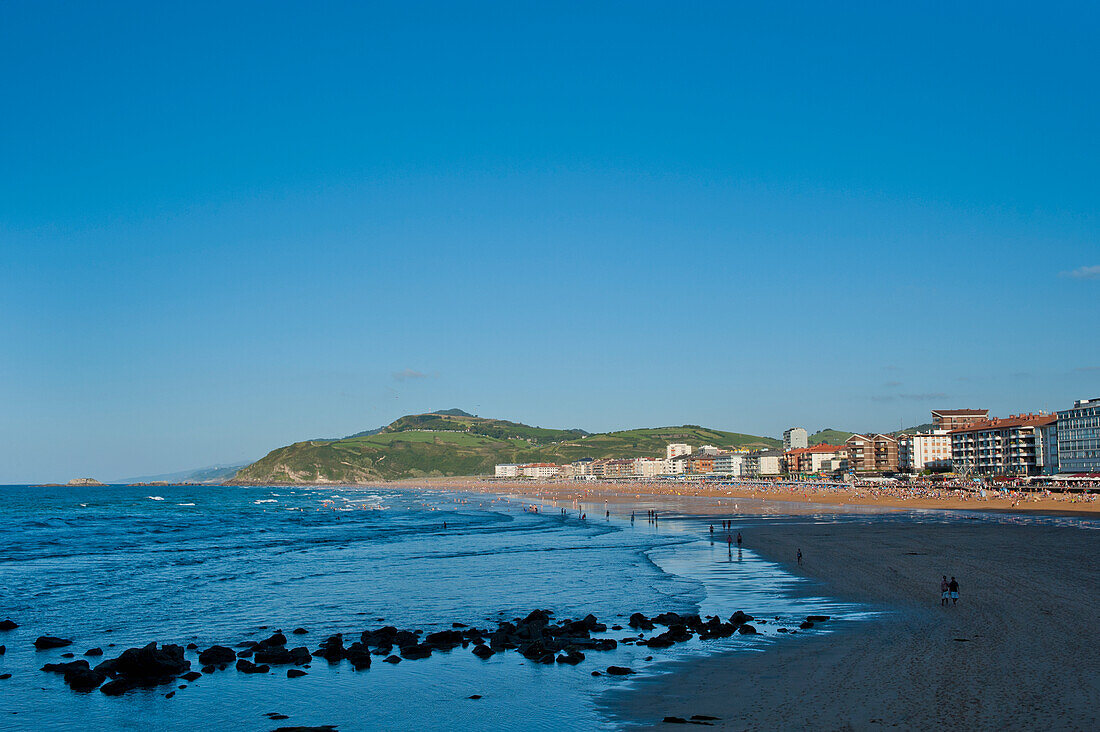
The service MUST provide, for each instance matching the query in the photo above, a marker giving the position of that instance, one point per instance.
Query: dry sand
(1029, 609)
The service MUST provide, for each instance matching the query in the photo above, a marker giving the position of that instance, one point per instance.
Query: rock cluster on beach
(537, 637)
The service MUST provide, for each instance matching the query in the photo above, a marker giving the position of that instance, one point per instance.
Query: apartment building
(952, 419)
(924, 450)
(538, 471)
(700, 463)
(762, 464)
(650, 467)
(676, 449)
(507, 470)
(871, 454)
(817, 459)
(729, 463)
(795, 438)
(1078, 437)
(1010, 446)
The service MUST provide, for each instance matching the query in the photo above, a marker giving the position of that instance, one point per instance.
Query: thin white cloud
(1091, 272)
(409, 374)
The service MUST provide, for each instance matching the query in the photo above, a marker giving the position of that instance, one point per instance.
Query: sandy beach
(1018, 652)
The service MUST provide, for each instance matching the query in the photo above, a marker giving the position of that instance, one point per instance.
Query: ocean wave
(185, 504)
(155, 498)
(267, 500)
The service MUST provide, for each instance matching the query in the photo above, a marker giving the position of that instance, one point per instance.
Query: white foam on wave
(266, 500)
(185, 504)
(155, 498)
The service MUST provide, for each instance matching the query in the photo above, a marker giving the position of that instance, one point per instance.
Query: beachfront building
(1011, 446)
(1078, 437)
(762, 464)
(924, 451)
(699, 463)
(1048, 443)
(729, 463)
(678, 465)
(872, 454)
(820, 459)
(507, 470)
(795, 438)
(619, 468)
(953, 419)
(647, 467)
(676, 449)
(538, 471)
(581, 468)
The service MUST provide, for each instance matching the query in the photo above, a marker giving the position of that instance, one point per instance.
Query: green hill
(829, 437)
(453, 444)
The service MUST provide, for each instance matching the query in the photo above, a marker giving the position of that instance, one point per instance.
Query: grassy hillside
(829, 437)
(458, 444)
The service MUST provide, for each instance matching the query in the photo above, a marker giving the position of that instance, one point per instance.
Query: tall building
(931, 450)
(762, 463)
(817, 459)
(794, 438)
(872, 453)
(953, 419)
(1012, 446)
(729, 463)
(1079, 437)
(676, 449)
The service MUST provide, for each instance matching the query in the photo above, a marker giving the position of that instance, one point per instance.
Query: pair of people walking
(949, 591)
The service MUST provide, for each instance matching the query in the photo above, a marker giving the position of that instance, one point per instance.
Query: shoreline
(997, 660)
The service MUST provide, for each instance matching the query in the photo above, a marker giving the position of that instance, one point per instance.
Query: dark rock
(392, 659)
(668, 619)
(148, 664)
(191, 676)
(68, 655)
(215, 655)
(277, 640)
(248, 667)
(483, 651)
(444, 639)
(474, 696)
(119, 686)
(8, 624)
(169, 695)
(294, 673)
(332, 650)
(48, 641)
(192, 646)
(94, 652)
(780, 630)
(640, 622)
(416, 652)
(616, 627)
(3, 649)
(674, 720)
(619, 670)
(246, 653)
(299, 631)
(459, 625)
(817, 618)
(739, 617)
(596, 673)
(358, 656)
(5, 676)
(805, 625)
(746, 630)
(537, 618)
(571, 657)
(704, 718)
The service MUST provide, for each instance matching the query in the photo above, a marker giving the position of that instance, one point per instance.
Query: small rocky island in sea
(75, 483)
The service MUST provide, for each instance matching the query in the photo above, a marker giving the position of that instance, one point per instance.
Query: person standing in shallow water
(953, 588)
(799, 555)
(738, 539)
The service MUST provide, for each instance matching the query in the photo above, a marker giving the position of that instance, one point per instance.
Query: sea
(121, 566)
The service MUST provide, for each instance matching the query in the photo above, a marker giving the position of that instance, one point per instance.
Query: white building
(729, 463)
(650, 467)
(676, 449)
(794, 438)
(707, 450)
(762, 464)
(1078, 438)
(507, 470)
(538, 471)
(931, 450)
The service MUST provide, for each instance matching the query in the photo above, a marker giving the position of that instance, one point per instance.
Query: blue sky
(226, 227)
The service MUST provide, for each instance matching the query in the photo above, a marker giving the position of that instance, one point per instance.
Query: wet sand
(1018, 652)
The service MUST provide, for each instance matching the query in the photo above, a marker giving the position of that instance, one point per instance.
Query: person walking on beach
(738, 539)
(945, 591)
(953, 588)
(799, 555)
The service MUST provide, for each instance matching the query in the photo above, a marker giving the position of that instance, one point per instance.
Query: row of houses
(965, 441)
